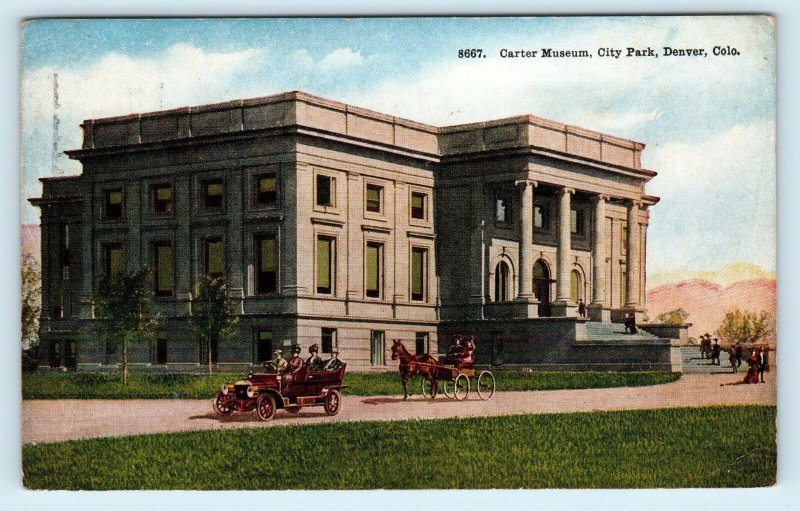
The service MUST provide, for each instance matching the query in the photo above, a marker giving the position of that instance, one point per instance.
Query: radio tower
(57, 155)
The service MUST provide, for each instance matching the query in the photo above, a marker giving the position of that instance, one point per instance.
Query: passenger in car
(334, 363)
(313, 362)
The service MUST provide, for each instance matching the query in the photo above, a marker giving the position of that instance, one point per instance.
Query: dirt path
(58, 420)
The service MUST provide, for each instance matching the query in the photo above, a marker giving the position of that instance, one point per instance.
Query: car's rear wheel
(265, 407)
(333, 402)
(219, 405)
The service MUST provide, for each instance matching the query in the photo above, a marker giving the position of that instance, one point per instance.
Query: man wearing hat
(278, 363)
(334, 363)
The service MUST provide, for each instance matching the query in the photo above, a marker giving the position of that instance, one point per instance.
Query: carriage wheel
(448, 389)
(486, 385)
(219, 407)
(265, 407)
(333, 402)
(461, 387)
(427, 387)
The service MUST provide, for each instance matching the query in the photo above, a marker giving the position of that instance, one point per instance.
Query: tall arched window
(501, 282)
(576, 286)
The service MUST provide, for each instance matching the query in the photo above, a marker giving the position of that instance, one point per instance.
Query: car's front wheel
(265, 407)
(219, 405)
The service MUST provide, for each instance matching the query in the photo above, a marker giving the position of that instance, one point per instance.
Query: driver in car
(278, 364)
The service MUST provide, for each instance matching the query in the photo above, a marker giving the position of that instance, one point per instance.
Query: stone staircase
(608, 332)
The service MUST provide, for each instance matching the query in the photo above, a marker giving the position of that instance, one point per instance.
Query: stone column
(528, 305)
(563, 306)
(597, 312)
(633, 256)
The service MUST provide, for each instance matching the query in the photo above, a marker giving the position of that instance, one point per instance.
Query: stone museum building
(345, 227)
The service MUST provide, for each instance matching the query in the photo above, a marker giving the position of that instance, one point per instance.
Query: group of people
(280, 365)
(757, 360)
(461, 352)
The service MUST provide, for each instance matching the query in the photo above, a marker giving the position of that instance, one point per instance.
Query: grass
(667, 448)
(84, 385)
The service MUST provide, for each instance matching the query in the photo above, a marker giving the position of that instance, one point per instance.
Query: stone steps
(596, 331)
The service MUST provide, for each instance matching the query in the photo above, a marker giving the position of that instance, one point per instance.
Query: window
(162, 198)
(376, 347)
(328, 340)
(418, 205)
(266, 265)
(502, 211)
(421, 343)
(419, 269)
(64, 251)
(213, 194)
(114, 199)
(374, 193)
(112, 259)
(161, 347)
(164, 268)
(373, 260)
(214, 257)
(501, 282)
(263, 351)
(576, 286)
(541, 218)
(267, 190)
(326, 247)
(326, 190)
(623, 287)
(623, 239)
(576, 221)
(58, 311)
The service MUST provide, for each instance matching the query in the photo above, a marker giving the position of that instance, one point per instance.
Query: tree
(673, 317)
(746, 326)
(124, 309)
(31, 301)
(214, 315)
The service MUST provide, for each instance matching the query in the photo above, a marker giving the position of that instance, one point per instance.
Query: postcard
(398, 253)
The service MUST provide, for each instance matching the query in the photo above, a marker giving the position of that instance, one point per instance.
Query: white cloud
(340, 58)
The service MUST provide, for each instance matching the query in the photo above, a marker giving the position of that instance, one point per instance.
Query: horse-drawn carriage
(455, 371)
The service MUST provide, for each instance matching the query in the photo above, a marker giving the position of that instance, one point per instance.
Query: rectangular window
(263, 346)
(326, 190)
(541, 220)
(328, 340)
(267, 190)
(326, 247)
(623, 288)
(418, 205)
(623, 239)
(213, 194)
(374, 269)
(374, 193)
(376, 347)
(576, 221)
(164, 269)
(421, 343)
(112, 259)
(214, 257)
(502, 212)
(161, 347)
(162, 198)
(419, 264)
(64, 252)
(114, 199)
(266, 264)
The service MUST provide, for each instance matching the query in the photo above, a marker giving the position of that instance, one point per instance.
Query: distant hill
(706, 302)
(724, 276)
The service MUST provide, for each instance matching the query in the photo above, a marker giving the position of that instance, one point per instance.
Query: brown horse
(414, 364)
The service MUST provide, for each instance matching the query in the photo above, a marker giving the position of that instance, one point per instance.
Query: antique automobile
(268, 392)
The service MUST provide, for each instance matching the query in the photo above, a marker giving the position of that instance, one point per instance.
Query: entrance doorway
(63, 354)
(376, 348)
(541, 287)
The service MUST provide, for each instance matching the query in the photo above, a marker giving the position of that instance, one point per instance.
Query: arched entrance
(541, 287)
(502, 279)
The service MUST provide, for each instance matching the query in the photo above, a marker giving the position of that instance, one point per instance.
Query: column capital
(566, 190)
(633, 203)
(601, 197)
(523, 183)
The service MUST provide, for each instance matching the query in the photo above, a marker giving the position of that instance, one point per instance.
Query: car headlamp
(251, 392)
(225, 390)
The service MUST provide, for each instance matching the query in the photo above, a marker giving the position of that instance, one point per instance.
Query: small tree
(124, 309)
(746, 326)
(673, 317)
(214, 315)
(31, 302)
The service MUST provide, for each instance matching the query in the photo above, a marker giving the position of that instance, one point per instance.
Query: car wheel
(219, 405)
(333, 402)
(265, 407)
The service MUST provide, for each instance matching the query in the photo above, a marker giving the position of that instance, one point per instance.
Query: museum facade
(348, 228)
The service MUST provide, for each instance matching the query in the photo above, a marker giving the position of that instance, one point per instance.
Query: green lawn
(669, 448)
(187, 386)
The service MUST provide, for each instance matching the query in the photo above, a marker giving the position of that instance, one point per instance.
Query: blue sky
(708, 122)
